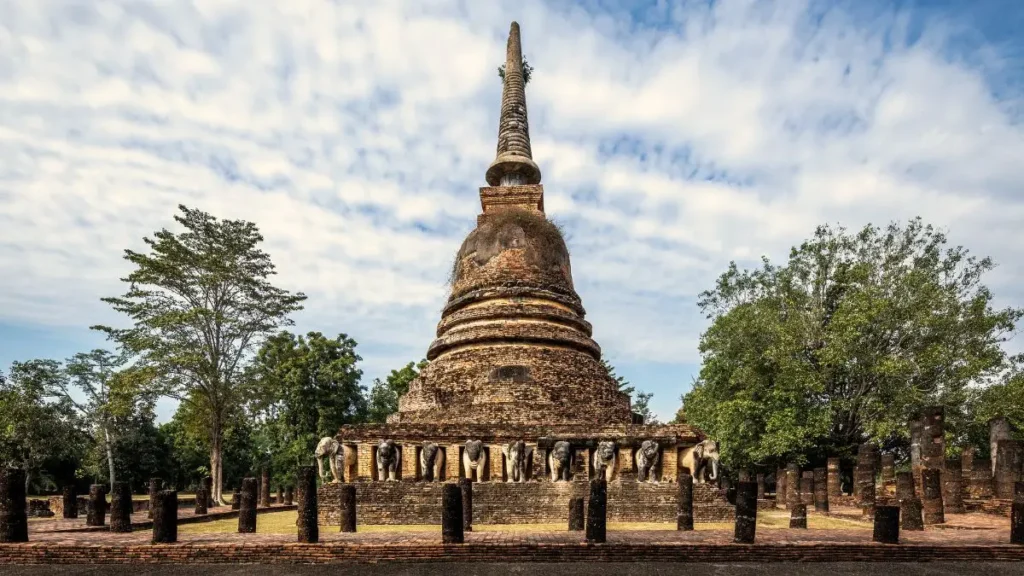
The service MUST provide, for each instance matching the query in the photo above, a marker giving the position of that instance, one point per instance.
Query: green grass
(284, 523)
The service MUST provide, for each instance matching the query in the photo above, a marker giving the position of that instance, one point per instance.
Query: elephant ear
(698, 451)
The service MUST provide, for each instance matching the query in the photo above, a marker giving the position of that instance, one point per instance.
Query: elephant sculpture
(646, 461)
(328, 448)
(702, 460)
(388, 457)
(560, 462)
(431, 461)
(517, 456)
(474, 459)
(604, 460)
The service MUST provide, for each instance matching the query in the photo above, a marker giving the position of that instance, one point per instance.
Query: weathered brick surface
(515, 503)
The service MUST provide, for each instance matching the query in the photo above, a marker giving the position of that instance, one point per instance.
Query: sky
(673, 138)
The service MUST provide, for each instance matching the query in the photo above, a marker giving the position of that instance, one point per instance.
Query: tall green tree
(640, 403)
(201, 304)
(844, 343)
(37, 429)
(304, 388)
(384, 394)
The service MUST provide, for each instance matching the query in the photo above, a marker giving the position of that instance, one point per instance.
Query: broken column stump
(451, 514)
(792, 485)
(289, 496)
(96, 512)
(798, 517)
(120, 507)
(265, 488)
(807, 488)
(910, 514)
(202, 500)
(309, 531)
(165, 516)
(905, 485)
(348, 508)
(746, 512)
(833, 482)
(887, 525)
(952, 487)
(236, 499)
(821, 490)
(247, 507)
(780, 488)
(13, 506)
(466, 486)
(70, 501)
(597, 511)
(684, 503)
(931, 490)
(154, 487)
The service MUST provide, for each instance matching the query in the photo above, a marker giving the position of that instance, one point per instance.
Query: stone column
(910, 514)
(931, 489)
(834, 486)
(96, 513)
(780, 488)
(792, 486)
(1017, 515)
(289, 496)
(864, 488)
(70, 502)
(154, 487)
(202, 499)
(905, 485)
(807, 488)
(348, 508)
(120, 507)
(952, 487)
(466, 489)
(821, 490)
(1009, 461)
(280, 495)
(967, 459)
(998, 429)
(13, 506)
(597, 511)
(247, 507)
(236, 499)
(798, 516)
(746, 512)
(933, 441)
(309, 531)
(265, 487)
(887, 525)
(684, 503)
(576, 514)
(888, 475)
(451, 514)
(165, 516)
(760, 486)
(916, 436)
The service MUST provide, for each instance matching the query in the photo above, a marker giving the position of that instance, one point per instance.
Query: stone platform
(773, 545)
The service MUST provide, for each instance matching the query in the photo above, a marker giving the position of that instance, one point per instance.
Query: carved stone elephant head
(515, 460)
(604, 460)
(387, 461)
(646, 461)
(702, 460)
(474, 459)
(431, 461)
(560, 461)
(328, 448)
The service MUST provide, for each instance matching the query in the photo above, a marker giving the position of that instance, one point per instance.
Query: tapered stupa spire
(514, 163)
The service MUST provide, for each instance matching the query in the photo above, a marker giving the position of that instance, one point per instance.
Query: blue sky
(673, 137)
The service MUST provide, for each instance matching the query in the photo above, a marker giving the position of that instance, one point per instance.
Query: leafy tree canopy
(844, 343)
(384, 394)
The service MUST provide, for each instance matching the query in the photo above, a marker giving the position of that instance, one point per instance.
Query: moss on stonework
(546, 240)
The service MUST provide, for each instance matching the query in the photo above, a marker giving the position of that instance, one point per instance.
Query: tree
(34, 428)
(385, 393)
(109, 391)
(201, 304)
(844, 343)
(640, 405)
(304, 389)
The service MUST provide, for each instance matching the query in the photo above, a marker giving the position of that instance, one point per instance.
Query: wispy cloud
(356, 134)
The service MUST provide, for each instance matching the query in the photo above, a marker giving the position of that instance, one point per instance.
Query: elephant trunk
(714, 470)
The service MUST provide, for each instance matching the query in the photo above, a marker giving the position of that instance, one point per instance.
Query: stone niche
(496, 500)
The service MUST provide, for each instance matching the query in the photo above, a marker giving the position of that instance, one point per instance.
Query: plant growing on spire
(527, 72)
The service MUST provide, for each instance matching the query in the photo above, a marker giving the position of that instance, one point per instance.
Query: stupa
(515, 396)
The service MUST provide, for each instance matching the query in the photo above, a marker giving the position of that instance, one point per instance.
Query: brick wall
(518, 503)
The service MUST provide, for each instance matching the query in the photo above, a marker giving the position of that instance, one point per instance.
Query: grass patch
(284, 523)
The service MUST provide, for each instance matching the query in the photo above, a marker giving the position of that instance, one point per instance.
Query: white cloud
(356, 133)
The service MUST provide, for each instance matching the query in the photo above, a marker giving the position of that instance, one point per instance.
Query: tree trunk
(110, 454)
(216, 460)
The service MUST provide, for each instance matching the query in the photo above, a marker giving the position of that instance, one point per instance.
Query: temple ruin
(515, 396)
